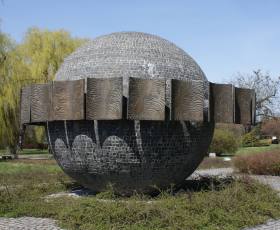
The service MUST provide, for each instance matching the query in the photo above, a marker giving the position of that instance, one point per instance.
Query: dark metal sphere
(130, 155)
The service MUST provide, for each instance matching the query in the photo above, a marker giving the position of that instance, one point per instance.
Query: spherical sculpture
(131, 155)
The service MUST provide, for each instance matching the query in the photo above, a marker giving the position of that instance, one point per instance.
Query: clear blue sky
(223, 36)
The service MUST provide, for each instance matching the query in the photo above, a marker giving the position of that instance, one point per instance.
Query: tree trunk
(14, 151)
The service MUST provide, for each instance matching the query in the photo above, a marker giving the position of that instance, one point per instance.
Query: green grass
(27, 151)
(253, 150)
(34, 151)
(209, 204)
(17, 168)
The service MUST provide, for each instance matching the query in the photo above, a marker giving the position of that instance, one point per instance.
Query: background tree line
(267, 91)
(34, 60)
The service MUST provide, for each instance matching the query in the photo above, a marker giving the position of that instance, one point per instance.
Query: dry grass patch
(267, 163)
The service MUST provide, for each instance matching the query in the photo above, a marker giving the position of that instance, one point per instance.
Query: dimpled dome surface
(129, 54)
(130, 155)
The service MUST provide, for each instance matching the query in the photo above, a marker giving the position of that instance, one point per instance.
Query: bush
(224, 142)
(264, 142)
(250, 140)
(237, 129)
(261, 163)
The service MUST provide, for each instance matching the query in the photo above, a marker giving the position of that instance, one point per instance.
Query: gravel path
(272, 181)
(28, 223)
(270, 225)
(31, 223)
(220, 172)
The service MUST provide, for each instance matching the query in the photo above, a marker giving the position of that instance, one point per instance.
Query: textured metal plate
(67, 100)
(25, 105)
(146, 99)
(244, 106)
(40, 102)
(104, 99)
(222, 103)
(187, 100)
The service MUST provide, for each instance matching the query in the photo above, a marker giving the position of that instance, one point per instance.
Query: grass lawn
(211, 204)
(35, 151)
(28, 166)
(27, 151)
(252, 150)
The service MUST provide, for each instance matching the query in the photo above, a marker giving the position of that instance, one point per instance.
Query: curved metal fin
(104, 98)
(146, 99)
(221, 97)
(244, 106)
(67, 100)
(40, 102)
(25, 104)
(187, 100)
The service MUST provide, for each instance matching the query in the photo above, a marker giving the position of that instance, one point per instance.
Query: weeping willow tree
(35, 60)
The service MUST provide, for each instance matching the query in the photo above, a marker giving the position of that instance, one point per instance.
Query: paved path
(35, 156)
(220, 172)
(270, 225)
(272, 181)
(30, 223)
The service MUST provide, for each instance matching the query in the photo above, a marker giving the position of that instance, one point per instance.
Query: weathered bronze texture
(25, 96)
(221, 103)
(146, 99)
(104, 99)
(244, 106)
(67, 100)
(40, 102)
(187, 100)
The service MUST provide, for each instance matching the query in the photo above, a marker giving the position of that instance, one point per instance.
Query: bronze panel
(221, 103)
(67, 100)
(146, 99)
(40, 102)
(244, 106)
(25, 105)
(187, 100)
(104, 99)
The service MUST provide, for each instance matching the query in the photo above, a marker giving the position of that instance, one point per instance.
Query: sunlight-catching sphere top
(129, 54)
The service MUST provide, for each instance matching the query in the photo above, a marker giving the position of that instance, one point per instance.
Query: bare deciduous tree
(271, 127)
(267, 91)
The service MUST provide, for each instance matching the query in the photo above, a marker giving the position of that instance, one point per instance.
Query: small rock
(227, 159)
(212, 155)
